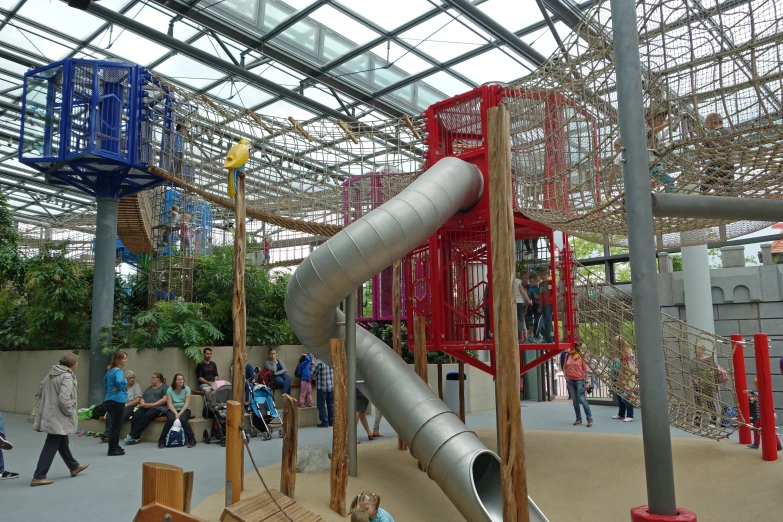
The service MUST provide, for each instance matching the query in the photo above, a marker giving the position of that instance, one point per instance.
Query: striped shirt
(324, 377)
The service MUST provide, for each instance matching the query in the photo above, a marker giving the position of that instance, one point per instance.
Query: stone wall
(746, 300)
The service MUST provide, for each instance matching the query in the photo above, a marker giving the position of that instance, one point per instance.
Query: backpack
(176, 436)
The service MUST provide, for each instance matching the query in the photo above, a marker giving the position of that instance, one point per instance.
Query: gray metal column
(646, 307)
(350, 356)
(102, 292)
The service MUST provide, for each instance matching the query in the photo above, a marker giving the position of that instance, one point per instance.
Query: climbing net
(74, 235)
(304, 180)
(713, 91)
(699, 370)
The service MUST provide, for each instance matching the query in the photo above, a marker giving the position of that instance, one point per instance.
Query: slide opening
(485, 470)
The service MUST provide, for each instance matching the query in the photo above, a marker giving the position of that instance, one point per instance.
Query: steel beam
(720, 208)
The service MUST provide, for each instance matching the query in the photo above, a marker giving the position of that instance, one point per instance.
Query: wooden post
(338, 485)
(440, 381)
(461, 370)
(188, 478)
(163, 484)
(290, 444)
(238, 310)
(420, 351)
(397, 322)
(513, 480)
(234, 455)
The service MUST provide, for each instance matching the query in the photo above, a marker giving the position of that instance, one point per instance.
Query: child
(545, 291)
(523, 303)
(267, 250)
(655, 123)
(616, 171)
(360, 516)
(304, 372)
(534, 311)
(178, 149)
(370, 503)
(755, 416)
(184, 235)
(718, 170)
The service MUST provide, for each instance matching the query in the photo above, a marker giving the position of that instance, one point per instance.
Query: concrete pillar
(665, 265)
(698, 290)
(102, 292)
(766, 254)
(733, 256)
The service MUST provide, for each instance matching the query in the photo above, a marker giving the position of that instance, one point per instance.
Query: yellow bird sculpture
(235, 162)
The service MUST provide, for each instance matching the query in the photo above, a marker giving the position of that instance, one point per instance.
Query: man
(206, 372)
(164, 294)
(324, 387)
(5, 445)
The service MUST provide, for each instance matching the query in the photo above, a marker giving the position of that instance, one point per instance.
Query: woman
(134, 399)
(116, 387)
(362, 403)
(702, 376)
(152, 406)
(57, 417)
(280, 377)
(624, 370)
(576, 370)
(178, 402)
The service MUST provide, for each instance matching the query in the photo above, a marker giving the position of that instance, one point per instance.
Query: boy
(718, 170)
(178, 149)
(755, 416)
(534, 311)
(656, 121)
(545, 289)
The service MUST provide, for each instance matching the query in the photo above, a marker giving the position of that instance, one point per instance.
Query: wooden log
(188, 478)
(258, 120)
(397, 321)
(513, 480)
(162, 484)
(238, 308)
(234, 449)
(440, 381)
(420, 351)
(347, 131)
(299, 128)
(290, 444)
(461, 370)
(409, 124)
(338, 485)
(156, 512)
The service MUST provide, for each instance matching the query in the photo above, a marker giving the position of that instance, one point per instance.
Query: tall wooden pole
(420, 351)
(338, 485)
(234, 454)
(513, 479)
(290, 446)
(397, 322)
(238, 309)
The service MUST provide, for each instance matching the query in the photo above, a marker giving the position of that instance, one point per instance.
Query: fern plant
(169, 324)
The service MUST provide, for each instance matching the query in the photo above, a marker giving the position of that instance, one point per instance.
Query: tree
(10, 263)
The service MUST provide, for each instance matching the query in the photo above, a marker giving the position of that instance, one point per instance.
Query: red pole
(769, 450)
(740, 385)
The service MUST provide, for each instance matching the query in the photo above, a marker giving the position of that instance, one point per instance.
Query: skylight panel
(342, 24)
(129, 46)
(188, 71)
(512, 14)
(401, 58)
(492, 66)
(283, 109)
(68, 20)
(380, 14)
(443, 37)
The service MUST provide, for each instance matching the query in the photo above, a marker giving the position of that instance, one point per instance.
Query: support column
(238, 305)
(350, 355)
(698, 289)
(646, 306)
(102, 292)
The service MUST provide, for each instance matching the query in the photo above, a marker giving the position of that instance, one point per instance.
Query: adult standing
(280, 377)
(206, 372)
(362, 403)
(57, 417)
(523, 302)
(576, 371)
(116, 387)
(5, 445)
(624, 370)
(151, 406)
(134, 399)
(324, 387)
(178, 403)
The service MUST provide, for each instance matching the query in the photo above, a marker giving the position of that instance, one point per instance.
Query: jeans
(115, 410)
(54, 444)
(282, 382)
(142, 419)
(547, 326)
(2, 432)
(577, 391)
(184, 415)
(626, 408)
(325, 400)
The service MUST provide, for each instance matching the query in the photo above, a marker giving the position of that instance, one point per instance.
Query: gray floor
(111, 488)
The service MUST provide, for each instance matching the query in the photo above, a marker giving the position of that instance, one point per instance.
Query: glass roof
(364, 59)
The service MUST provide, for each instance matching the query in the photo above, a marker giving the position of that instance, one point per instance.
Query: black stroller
(216, 408)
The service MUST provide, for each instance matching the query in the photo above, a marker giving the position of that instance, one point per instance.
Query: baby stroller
(216, 408)
(263, 413)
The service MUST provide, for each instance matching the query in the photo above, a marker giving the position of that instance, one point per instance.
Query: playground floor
(574, 473)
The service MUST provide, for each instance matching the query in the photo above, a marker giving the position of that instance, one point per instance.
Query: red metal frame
(446, 275)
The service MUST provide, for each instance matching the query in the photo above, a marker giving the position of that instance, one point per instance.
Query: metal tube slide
(466, 471)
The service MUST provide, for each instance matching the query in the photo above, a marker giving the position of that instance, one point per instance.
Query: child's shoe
(753, 446)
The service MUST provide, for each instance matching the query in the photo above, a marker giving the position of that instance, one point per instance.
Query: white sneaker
(628, 419)
(4, 444)
(617, 417)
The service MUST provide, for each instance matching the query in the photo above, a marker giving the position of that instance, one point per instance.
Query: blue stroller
(263, 413)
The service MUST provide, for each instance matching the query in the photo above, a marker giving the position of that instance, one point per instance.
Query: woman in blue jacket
(116, 387)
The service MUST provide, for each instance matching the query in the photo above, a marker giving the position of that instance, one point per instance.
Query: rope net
(712, 89)
(699, 370)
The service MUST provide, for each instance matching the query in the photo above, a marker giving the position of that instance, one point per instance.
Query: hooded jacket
(57, 412)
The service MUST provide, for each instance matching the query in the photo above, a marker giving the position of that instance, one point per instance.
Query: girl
(116, 386)
(178, 401)
(304, 370)
(576, 370)
(370, 503)
(755, 416)
(184, 235)
(624, 370)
